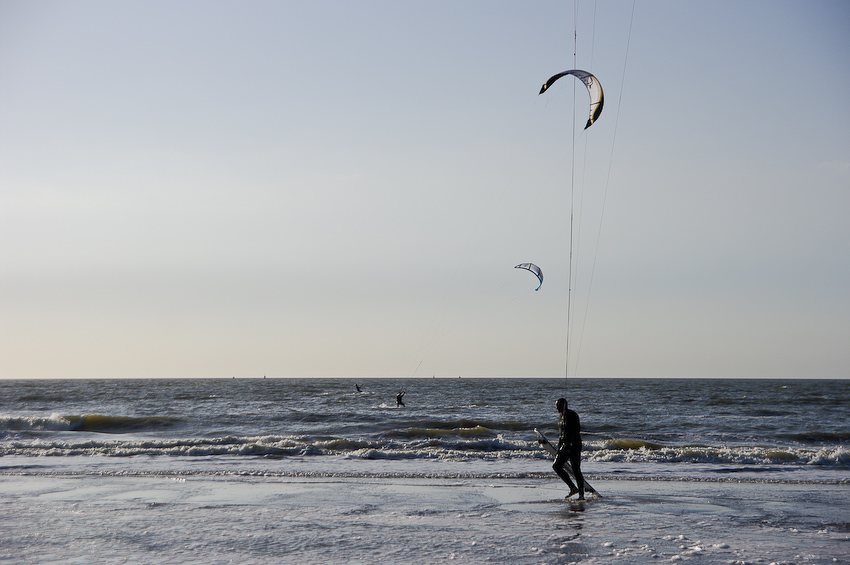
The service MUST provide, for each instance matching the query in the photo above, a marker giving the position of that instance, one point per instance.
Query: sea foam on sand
(239, 518)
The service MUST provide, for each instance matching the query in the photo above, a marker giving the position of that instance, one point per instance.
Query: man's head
(561, 404)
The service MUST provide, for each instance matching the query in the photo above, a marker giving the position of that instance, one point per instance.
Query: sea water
(685, 429)
(313, 470)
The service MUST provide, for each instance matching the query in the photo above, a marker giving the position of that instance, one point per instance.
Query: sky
(215, 189)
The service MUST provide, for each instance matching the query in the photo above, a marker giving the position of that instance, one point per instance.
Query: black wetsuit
(569, 449)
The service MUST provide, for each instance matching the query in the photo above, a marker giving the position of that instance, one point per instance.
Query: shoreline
(424, 476)
(348, 467)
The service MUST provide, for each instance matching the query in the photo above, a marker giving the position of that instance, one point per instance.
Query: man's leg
(575, 463)
(561, 458)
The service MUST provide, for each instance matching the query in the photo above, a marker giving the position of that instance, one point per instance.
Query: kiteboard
(541, 439)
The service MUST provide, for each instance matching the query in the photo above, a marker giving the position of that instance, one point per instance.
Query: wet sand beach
(224, 518)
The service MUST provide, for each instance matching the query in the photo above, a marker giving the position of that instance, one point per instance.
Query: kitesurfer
(569, 448)
(357, 386)
(398, 397)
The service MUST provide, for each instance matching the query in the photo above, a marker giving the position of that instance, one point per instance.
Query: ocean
(321, 472)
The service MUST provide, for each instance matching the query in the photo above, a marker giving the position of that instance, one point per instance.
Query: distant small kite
(534, 269)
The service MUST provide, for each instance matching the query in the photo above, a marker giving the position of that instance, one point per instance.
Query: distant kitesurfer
(569, 448)
(398, 397)
(357, 386)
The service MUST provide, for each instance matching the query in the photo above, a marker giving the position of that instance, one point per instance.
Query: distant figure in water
(398, 399)
(357, 386)
(569, 448)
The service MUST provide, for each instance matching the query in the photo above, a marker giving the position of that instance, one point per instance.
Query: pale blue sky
(343, 188)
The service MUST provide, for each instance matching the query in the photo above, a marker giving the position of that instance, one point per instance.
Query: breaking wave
(88, 423)
(454, 446)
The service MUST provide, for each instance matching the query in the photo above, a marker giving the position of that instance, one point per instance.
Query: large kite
(593, 88)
